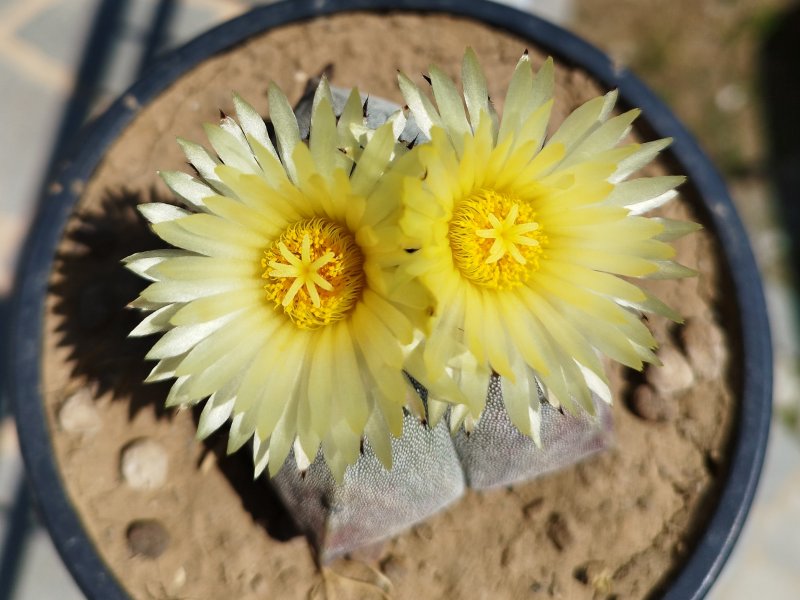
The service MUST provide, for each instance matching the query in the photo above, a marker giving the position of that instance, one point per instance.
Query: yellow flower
(280, 302)
(528, 244)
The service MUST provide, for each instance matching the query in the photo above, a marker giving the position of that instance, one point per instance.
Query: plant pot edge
(693, 580)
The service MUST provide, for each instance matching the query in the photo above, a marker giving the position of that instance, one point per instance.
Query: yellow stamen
(495, 239)
(314, 272)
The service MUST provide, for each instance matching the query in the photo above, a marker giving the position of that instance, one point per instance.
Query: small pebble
(76, 186)
(648, 405)
(131, 103)
(594, 574)
(143, 464)
(705, 348)
(673, 376)
(147, 538)
(731, 98)
(55, 188)
(178, 579)
(394, 567)
(558, 531)
(209, 462)
(259, 585)
(78, 414)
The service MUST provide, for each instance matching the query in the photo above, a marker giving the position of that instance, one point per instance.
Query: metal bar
(15, 540)
(158, 35)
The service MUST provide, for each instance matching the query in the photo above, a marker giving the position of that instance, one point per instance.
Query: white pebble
(79, 415)
(731, 98)
(144, 464)
(705, 347)
(674, 376)
(179, 579)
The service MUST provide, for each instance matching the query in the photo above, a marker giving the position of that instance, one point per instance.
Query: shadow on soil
(90, 293)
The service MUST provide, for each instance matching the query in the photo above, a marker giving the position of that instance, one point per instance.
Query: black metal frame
(25, 327)
(104, 31)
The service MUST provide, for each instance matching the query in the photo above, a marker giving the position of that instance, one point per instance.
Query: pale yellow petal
(373, 161)
(341, 448)
(374, 339)
(268, 222)
(473, 317)
(517, 398)
(221, 357)
(379, 439)
(190, 268)
(216, 411)
(451, 108)
(563, 331)
(348, 387)
(516, 105)
(308, 440)
(285, 125)
(283, 436)
(397, 323)
(322, 373)
(476, 94)
(494, 335)
(210, 354)
(182, 339)
(323, 137)
(231, 150)
(602, 283)
(281, 203)
(212, 307)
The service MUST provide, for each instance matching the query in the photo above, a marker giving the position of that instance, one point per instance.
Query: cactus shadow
(89, 293)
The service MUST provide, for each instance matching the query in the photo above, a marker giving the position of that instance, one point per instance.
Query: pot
(752, 367)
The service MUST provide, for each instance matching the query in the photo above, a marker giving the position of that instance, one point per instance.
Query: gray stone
(148, 538)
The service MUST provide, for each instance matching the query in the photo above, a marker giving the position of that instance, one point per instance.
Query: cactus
(394, 304)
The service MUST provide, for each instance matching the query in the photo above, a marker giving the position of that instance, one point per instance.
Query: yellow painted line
(31, 61)
(33, 64)
(15, 15)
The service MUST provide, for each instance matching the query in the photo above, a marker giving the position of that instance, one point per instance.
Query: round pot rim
(712, 549)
